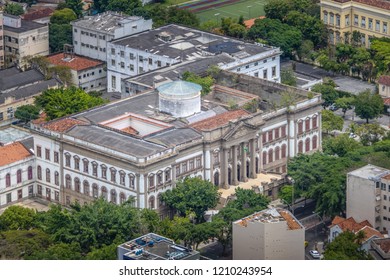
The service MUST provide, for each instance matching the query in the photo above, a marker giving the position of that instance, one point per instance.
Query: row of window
(131, 66)
(274, 155)
(93, 35)
(47, 154)
(19, 176)
(255, 64)
(265, 73)
(274, 134)
(89, 74)
(313, 121)
(48, 193)
(382, 186)
(48, 175)
(313, 141)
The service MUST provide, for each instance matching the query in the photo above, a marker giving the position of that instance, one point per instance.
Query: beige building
(1, 42)
(272, 234)
(384, 86)
(343, 17)
(368, 196)
(24, 39)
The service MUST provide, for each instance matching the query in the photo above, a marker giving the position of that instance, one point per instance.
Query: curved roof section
(179, 89)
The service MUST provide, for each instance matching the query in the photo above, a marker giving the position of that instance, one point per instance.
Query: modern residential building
(173, 44)
(88, 74)
(1, 41)
(19, 88)
(24, 39)
(340, 225)
(271, 234)
(91, 33)
(155, 247)
(17, 165)
(343, 17)
(136, 148)
(368, 193)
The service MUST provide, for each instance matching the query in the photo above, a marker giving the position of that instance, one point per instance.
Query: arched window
(19, 176)
(216, 178)
(151, 180)
(314, 142)
(39, 172)
(122, 198)
(122, 176)
(95, 191)
(76, 163)
(277, 153)
(29, 173)
(307, 124)
(104, 193)
(113, 196)
(56, 178)
(8, 180)
(300, 127)
(48, 175)
(151, 202)
(113, 174)
(270, 156)
(307, 144)
(284, 150)
(314, 121)
(86, 187)
(300, 147)
(68, 181)
(131, 181)
(77, 184)
(264, 157)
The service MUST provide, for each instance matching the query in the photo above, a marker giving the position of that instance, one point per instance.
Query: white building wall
(91, 79)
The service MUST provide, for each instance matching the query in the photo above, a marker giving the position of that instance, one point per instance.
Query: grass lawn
(247, 8)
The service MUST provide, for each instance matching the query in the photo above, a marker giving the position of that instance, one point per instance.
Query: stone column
(252, 145)
(224, 168)
(234, 163)
(243, 162)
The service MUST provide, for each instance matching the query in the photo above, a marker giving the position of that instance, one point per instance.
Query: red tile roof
(76, 63)
(383, 4)
(13, 153)
(219, 120)
(38, 14)
(250, 22)
(387, 177)
(62, 125)
(349, 224)
(41, 119)
(384, 80)
(370, 232)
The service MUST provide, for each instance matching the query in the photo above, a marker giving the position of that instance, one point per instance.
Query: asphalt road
(350, 117)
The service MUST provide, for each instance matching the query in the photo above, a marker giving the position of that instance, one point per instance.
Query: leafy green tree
(381, 49)
(346, 246)
(192, 195)
(76, 6)
(27, 113)
(14, 9)
(59, 35)
(305, 51)
(106, 252)
(17, 218)
(330, 121)
(329, 94)
(345, 103)
(286, 194)
(277, 9)
(126, 6)
(205, 82)
(368, 105)
(64, 101)
(59, 251)
(339, 145)
(288, 78)
(64, 16)
(370, 133)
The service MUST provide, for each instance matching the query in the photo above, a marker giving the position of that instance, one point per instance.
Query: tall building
(343, 17)
(24, 39)
(272, 234)
(1, 41)
(368, 196)
(173, 44)
(91, 33)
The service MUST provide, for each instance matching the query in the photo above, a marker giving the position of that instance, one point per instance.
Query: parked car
(333, 107)
(315, 254)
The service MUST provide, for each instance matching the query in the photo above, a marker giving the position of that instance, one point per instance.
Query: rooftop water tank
(179, 98)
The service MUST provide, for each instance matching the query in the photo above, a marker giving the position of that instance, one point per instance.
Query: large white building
(272, 234)
(368, 196)
(91, 33)
(173, 44)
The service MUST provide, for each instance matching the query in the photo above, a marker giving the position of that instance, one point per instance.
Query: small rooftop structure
(370, 172)
(155, 247)
(12, 134)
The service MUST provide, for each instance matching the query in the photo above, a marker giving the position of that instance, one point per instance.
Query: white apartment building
(271, 234)
(173, 44)
(368, 196)
(91, 33)
(23, 39)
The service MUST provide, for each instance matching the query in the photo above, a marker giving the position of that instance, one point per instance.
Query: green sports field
(247, 8)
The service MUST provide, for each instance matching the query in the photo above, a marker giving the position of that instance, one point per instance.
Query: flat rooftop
(25, 26)
(13, 134)
(370, 172)
(187, 43)
(269, 216)
(105, 22)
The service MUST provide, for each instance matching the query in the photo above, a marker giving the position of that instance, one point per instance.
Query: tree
(59, 35)
(205, 82)
(65, 101)
(17, 218)
(76, 6)
(346, 246)
(59, 251)
(370, 133)
(305, 51)
(277, 9)
(345, 104)
(64, 16)
(340, 145)
(328, 93)
(286, 194)
(27, 113)
(368, 105)
(288, 78)
(14, 9)
(381, 48)
(192, 195)
(330, 121)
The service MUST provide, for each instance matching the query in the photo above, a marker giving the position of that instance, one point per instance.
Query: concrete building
(1, 41)
(173, 44)
(19, 88)
(380, 249)
(91, 33)
(272, 234)
(155, 247)
(23, 39)
(88, 74)
(130, 148)
(368, 192)
(343, 17)
(17, 166)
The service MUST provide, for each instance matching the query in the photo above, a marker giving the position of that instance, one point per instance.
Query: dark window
(159, 178)
(39, 172)
(56, 157)
(19, 176)
(8, 180)
(284, 150)
(307, 144)
(167, 175)
(122, 178)
(48, 175)
(76, 163)
(314, 122)
(39, 151)
(85, 165)
(270, 135)
(29, 173)
(113, 175)
(56, 178)
(47, 154)
(131, 181)
(300, 127)
(67, 160)
(283, 131)
(307, 124)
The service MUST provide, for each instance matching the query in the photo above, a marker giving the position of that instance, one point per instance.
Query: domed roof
(179, 89)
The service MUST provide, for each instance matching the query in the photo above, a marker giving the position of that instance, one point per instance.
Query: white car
(315, 254)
